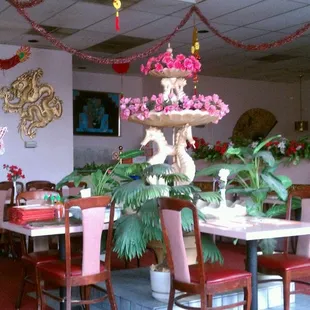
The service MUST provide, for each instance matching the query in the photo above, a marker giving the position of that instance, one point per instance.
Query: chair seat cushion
(58, 269)
(282, 262)
(215, 274)
(40, 257)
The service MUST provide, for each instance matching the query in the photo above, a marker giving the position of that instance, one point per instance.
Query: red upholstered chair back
(9, 188)
(171, 222)
(40, 185)
(69, 189)
(93, 212)
(3, 194)
(303, 243)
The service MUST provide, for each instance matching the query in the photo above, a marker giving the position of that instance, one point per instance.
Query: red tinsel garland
(253, 47)
(153, 49)
(25, 4)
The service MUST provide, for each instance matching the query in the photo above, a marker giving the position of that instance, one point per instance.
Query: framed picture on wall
(96, 113)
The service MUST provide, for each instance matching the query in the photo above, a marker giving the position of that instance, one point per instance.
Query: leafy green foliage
(210, 251)
(255, 178)
(72, 177)
(128, 237)
(131, 154)
(211, 197)
(267, 245)
(214, 169)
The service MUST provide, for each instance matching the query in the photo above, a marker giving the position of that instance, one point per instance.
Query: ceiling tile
(80, 15)
(244, 33)
(23, 40)
(47, 9)
(258, 12)
(129, 20)
(163, 7)
(157, 29)
(85, 38)
(215, 8)
(8, 35)
(9, 18)
(185, 35)
(285, 20)
(4, 5)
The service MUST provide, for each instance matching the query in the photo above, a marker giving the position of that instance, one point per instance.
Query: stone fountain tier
(175, 118)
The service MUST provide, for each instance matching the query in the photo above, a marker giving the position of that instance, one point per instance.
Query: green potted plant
(254, 177)
(139, 226)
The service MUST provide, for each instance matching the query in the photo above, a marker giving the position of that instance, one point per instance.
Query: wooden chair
(89, 271)
(203, 279)
(31, 260)
(70, 190)
(6, 240)
(40, 185)
(290, 267)
(8, 186)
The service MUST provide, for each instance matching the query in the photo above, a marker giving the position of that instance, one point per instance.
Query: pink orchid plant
(166, 60)
(141, 107)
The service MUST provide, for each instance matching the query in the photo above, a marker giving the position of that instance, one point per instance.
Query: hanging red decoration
(22, 55)
(117, 5)
(121, 68)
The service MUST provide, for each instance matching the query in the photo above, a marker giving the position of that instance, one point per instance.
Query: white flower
(230, 144)
(298, 147)
(254, 144)
(210, 146)
(281, 146)
(223, 174)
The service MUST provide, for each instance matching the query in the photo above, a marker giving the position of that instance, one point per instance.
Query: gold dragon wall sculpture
(34, 101)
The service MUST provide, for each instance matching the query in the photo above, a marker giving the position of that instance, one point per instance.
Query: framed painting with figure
(96, 113)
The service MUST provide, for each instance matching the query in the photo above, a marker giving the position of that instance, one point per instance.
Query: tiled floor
(302, 303)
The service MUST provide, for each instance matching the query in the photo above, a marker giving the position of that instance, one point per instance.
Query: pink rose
(180, 57)
(178, 65)
(159, 67)
(170, 64)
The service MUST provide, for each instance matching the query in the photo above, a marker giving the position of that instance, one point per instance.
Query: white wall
(282, 99)
(99, 149)
(53, 157)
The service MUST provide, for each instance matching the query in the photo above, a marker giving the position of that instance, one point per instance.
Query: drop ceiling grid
(153, 21)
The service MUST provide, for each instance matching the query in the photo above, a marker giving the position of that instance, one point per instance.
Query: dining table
(253, 229)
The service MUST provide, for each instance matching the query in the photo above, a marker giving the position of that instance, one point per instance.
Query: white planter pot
(160, 284)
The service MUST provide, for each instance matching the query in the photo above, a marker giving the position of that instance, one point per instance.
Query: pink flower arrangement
(141, 108)
(166, 60)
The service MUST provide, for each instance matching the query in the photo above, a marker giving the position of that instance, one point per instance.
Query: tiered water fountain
(173, 108)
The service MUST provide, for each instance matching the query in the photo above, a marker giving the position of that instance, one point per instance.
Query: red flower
(14, 173)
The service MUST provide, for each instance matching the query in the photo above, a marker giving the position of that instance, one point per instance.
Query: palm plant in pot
(139, 226)
(254, 177)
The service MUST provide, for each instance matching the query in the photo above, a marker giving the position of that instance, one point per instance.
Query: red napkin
(23, 216)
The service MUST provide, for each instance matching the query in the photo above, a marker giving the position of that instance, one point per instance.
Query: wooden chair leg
(204, 300)
(22, 289)
(40, 300)
(86, 294)
(111, 294)
(68, 297)
(171, 295)
(209, 301)
(248, 295)
(286, 291)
